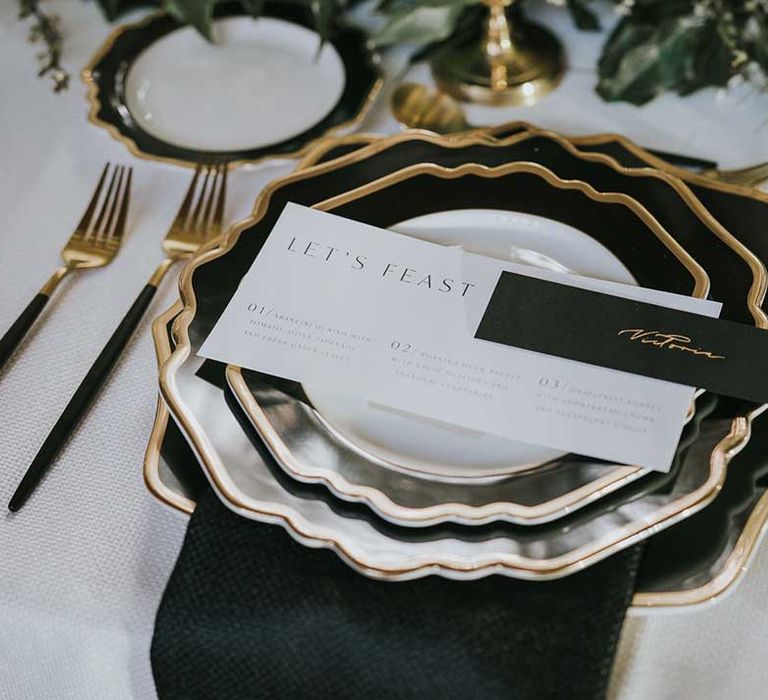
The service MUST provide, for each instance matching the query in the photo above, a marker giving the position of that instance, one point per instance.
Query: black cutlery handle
(15, 334)
(82, 398)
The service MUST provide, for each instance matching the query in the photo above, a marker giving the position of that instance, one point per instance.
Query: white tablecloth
(83, 566)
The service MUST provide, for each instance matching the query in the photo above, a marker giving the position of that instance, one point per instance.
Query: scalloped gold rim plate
(712, 590)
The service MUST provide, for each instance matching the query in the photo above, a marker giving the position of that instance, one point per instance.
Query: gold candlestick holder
(515, 62)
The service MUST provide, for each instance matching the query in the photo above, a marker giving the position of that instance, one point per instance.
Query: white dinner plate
(428, 447)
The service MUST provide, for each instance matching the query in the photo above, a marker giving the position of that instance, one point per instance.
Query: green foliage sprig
(44, 29)
(199, 13)
(682, 46)
(655, 47)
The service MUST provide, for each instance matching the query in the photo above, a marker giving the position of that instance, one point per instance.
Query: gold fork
(198, 220)
(94, 243)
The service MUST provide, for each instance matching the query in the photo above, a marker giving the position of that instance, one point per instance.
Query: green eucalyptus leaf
(641, 61)
(198, 13)
(419, 25)
(583, 16)
(467, 27)
(114, 8)
(758, 46)
(388, 7)
(111, 8)
(626, 36)
(255, 8)
(713, 61)
(445, 3)
(655, 11)
(323, 12)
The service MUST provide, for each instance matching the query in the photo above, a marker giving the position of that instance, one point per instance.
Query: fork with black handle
(198, 220)
(94, 243)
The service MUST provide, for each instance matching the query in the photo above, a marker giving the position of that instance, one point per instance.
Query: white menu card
(391, 318)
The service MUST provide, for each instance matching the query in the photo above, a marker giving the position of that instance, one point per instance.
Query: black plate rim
(107, 109)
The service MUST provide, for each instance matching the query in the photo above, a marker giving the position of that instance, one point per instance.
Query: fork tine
(116, 225)
(116, 236)
(210, 202)
(195, 222)
(102, 234)
(82, 226)
(200, 213)
(182, 216)
(98, 227)
(218, 215)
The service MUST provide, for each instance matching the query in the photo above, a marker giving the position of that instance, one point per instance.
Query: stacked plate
(399, 497)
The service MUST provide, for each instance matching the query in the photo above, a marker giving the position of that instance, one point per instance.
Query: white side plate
(260, 83)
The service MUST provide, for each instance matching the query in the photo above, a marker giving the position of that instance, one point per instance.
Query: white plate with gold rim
(519, 209)
(428, 447)
(261, 88)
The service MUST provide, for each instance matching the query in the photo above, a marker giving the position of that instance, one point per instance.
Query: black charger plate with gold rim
(503, 208)
(571, 483)
(668, 597)
(701, 558)
(173, 475)
(232, 466)
(266, 89)
(418, 501)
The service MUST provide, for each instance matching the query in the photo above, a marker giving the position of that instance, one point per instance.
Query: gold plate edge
(756, 521)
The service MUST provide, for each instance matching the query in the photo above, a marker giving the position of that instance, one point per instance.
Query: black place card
(608, 331)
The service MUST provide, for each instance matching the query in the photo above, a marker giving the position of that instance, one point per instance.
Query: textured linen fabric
(248, 612)
(85, 561)
(84, 564)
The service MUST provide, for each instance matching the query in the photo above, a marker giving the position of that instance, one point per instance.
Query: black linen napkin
(249, 613)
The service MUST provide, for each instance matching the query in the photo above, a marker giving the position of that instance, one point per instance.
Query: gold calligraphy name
(668, 341)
